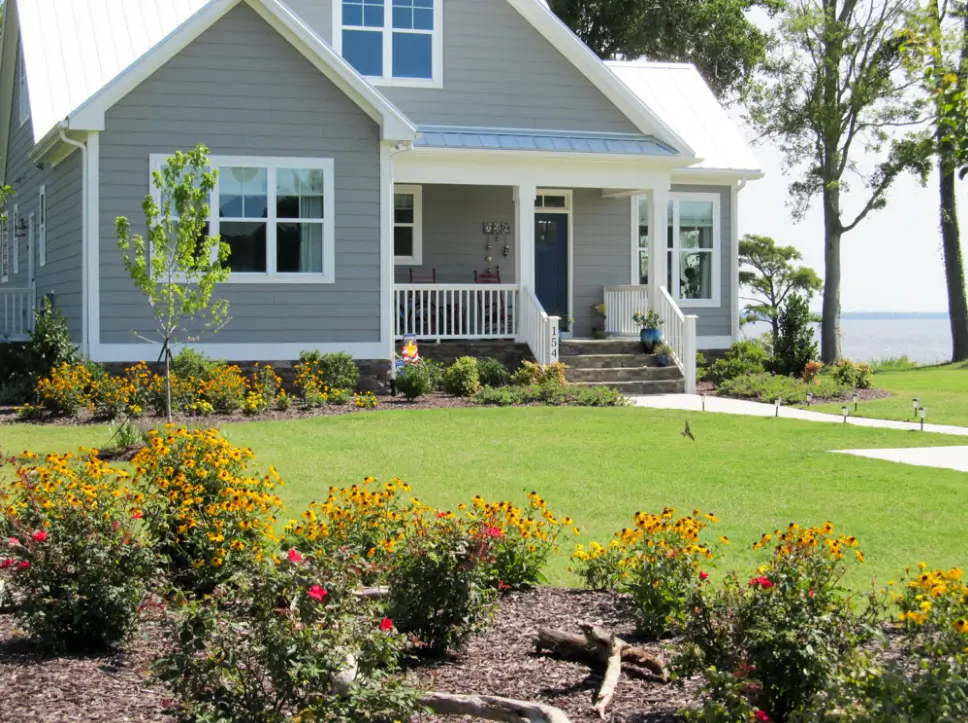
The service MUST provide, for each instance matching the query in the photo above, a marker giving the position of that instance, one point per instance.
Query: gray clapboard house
(451, 169)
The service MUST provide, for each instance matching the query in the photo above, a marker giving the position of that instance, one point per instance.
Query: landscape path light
(916, 403)
(923, 412)
(845, 411)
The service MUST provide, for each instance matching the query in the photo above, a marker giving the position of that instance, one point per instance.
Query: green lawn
(943, 390)
(602, 465)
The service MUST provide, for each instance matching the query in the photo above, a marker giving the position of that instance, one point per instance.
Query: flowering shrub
(521, 539)
(74, 556)
(854, 374)
(274, 650)
(438, 581)
(657, 561)
(66, 389)
(203, 509)
(811, 372)
(784, 633)
(263, 391)
(365, 400)
(534, 373)
(223, 387)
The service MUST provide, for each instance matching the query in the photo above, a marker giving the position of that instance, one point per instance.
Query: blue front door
(551, 262)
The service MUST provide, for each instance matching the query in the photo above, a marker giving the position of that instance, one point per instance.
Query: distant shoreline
(894, 316)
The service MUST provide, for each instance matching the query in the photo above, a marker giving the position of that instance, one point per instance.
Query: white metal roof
(677, 93)
(73, 49)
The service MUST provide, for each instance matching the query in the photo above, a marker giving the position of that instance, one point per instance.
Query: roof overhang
(89, 116)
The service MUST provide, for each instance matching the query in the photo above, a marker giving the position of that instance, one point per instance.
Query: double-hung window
(42, 231)
(276, 215)
(391, 42)
(693, 247)
(408, 225)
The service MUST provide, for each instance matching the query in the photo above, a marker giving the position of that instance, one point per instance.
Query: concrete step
(609, 361)
(624, 374)
(571, 347)
(640, 387)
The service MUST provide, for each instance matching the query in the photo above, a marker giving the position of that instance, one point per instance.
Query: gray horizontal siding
(453, 239)
(61, 277)
(241, 89)
(498, 72)
(602, 253)
(717, 321)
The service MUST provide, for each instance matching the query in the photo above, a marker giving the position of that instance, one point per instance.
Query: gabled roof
(514, 139)
(680, 96)
(84, 56)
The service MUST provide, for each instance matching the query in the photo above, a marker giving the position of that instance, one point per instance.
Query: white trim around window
(23, 92)
(42, 226)
(16, 243)
(266, 173)
(4, 251)
(416, 224)
(387, 78)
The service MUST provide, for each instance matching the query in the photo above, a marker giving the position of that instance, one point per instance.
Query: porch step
(609, 361)
(610, 375)
(677, 386)
(572, 347)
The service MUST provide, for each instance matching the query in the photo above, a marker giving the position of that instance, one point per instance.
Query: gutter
(86, 345)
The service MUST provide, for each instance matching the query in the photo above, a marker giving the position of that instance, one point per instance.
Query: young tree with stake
(177, 264)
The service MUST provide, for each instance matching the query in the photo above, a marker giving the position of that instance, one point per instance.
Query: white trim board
(395, 126)
(713, 342)
(133, 353)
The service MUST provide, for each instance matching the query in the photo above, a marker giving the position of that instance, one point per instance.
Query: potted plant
(566, 323)
(650, 329)
(598, 332)
(663, 355)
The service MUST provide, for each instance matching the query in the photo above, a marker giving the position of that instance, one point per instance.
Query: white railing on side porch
(538, 330)
(679, 332)
(456, 311)
(16, 313)
(621, 302)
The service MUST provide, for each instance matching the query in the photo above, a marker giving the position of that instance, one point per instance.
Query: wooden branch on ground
(491, 707)
(371, 593)
(613, 671)
(595, 646)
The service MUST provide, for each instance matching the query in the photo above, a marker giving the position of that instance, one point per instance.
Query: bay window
(275, 215)
(693, 247)
(391, 42)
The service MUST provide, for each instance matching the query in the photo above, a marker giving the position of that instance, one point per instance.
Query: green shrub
(336, 370)
(700, 366)
(15, 385)
(855, 375)
(492, 373)
(415, 381)
(795, 345)
(784, 633)
(437, 583)
(461, 378)
(534, 373)
(189, 363)
(50, 344)
(76, 562)
(436, 371)
(743, 357)
(767, 387)
(276, 643)
(551, 394)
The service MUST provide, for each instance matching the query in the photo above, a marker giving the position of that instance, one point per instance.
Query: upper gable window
(391, 42)
(24, 98)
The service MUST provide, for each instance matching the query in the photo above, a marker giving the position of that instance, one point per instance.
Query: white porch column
(658, 242)
(524, 234)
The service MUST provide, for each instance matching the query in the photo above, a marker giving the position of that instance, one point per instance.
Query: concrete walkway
(945, 457)
(722, 405)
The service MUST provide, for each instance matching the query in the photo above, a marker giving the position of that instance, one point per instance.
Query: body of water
(925, 340)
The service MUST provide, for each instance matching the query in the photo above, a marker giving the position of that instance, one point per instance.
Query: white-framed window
(22, 91)
(391, 42)
(4, 252)
(408, 225)
(42, 226)
(553, 200)
(693, 238)
(275, 214)
(15, 253)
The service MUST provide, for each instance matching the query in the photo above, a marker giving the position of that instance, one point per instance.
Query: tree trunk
(168, 382)
(954, 268)
(830, 326)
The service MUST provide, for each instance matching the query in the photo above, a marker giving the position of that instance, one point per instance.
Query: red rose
(294, 556)
(40, 536)
(494, 532)
(23, 565)
(703, 575)
(386, 625)
(760, 715)
(811, 593)
(13, 541)
(136, 515)
(317, 593)
(4, 564)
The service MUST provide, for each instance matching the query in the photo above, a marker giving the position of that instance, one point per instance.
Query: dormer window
(391, 42)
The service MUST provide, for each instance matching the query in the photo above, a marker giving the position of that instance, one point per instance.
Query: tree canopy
(715, 35)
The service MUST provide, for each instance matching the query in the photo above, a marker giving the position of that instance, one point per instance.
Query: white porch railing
(16, 313)
(621, 302)
(538, 330)
(679, 332)
(456, 311)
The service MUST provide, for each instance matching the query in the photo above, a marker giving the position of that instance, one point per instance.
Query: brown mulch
(114, 688)
(435, 400)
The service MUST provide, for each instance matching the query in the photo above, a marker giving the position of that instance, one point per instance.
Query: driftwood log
(371, 593)
(613, 671)
(490, 707)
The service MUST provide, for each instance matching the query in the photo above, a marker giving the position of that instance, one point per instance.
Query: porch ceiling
(517, 139)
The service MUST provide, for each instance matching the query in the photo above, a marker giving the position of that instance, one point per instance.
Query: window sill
(698, 303)
(405, 82)
(408, 261)
(248, 278)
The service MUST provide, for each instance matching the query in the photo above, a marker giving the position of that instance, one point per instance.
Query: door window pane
(412, 55)
(247, 245)
(363, 49)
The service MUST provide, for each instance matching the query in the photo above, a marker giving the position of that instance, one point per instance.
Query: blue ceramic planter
(649, 338)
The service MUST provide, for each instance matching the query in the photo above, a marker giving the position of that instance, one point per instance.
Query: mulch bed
(114, 688)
